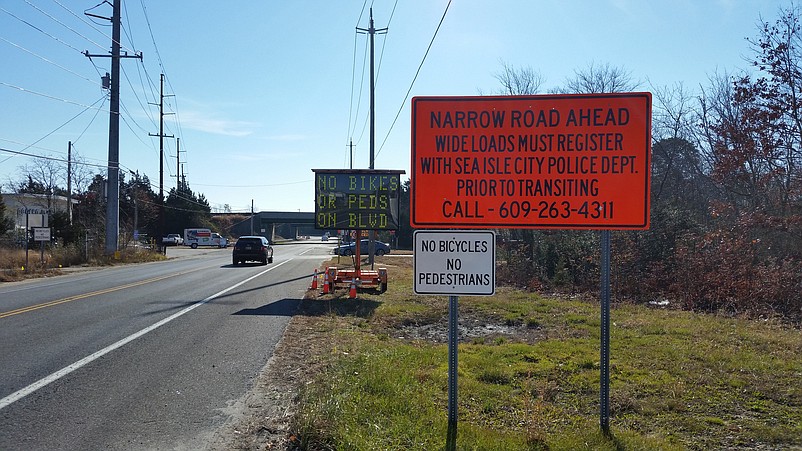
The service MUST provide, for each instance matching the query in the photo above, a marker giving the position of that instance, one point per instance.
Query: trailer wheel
(194, 245)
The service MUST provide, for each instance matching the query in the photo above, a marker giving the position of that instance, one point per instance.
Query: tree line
(139, 205)
(726, 191)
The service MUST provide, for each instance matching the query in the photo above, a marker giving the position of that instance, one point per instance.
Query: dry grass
(529, 374)
(15, 266)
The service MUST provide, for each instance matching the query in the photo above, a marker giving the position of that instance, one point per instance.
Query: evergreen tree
(184, 209)
(6, 223)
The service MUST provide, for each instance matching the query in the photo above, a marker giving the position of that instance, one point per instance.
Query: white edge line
(19, 394)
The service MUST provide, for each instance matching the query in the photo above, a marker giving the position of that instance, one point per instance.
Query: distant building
(33, 210)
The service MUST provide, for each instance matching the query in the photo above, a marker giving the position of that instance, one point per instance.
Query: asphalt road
(148, 356)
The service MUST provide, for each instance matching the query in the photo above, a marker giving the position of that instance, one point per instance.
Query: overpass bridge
(286, 224)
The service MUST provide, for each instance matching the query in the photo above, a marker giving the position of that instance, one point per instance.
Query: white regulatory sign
(41, 234)
(455, 262)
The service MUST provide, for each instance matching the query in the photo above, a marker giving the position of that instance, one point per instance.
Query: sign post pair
(576, 161)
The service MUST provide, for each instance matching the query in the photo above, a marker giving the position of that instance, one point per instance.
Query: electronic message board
(574, 161)
(357, 199)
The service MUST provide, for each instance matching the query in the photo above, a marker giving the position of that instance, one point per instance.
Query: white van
(203, 237)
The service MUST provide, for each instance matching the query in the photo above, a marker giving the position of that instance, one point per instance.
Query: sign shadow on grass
(340, 306)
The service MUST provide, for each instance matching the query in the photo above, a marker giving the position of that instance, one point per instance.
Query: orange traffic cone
(352, 291)
(326, 282)
(314, 281)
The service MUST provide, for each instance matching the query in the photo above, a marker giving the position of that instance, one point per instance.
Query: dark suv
(253, 248)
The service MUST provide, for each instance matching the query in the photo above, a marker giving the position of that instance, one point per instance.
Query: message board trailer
(358, 200)
(573, 161)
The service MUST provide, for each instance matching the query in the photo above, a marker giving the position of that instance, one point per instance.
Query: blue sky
(262, 92)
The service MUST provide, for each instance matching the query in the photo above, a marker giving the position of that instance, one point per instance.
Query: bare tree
(774, 101)
(599, 78)
(518, 81)
(42, 176)
(678, 169)
(675, 113)
(82, 172)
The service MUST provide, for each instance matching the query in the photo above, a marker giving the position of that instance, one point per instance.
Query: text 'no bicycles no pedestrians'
(574, 161)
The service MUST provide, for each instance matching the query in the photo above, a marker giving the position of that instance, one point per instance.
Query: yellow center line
(31, 308)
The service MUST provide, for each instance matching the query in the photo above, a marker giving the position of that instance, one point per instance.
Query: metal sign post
(41, 234)
(454, 262)
(453, 335)
(604, 364)
(27, 231)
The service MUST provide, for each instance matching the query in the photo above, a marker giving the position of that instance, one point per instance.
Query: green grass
(679, 380)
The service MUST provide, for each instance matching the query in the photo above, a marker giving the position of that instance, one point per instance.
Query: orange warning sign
(576, 161)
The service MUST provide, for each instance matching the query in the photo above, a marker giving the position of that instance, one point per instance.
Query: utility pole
(178, 179)
(372, 31)
(351, 153)
(69, 180)
(113, 200)
(161, 136)
(136, 204)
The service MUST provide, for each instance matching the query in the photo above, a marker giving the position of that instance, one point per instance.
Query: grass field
(529, 375)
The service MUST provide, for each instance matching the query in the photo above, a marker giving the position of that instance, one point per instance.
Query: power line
(378, 70)
(361, 90)
(152, 38)
(384, 42)
(174, 107)
(90, 25)
(255, 186)
(50, 62)
(414, 78)
(39, 29)
(44, 157)
(90, 122)
(177, 194)
(128, 33)
(48, 96)
(62, 23)
(17, 152)
(353, 77)
(161, 65)
(68, 121)
(33, 144)
(136, 96)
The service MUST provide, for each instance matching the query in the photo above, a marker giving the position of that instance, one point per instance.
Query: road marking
(19, 394)
(31, 308)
